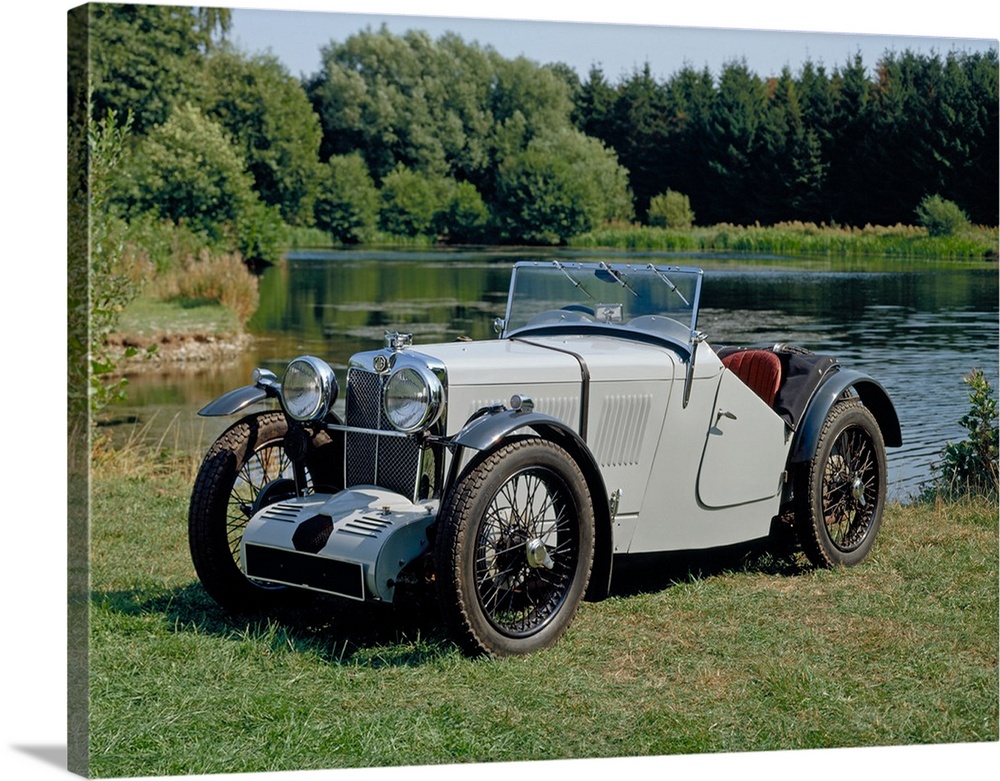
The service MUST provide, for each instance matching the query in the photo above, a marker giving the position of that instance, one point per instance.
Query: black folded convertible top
(801, 373)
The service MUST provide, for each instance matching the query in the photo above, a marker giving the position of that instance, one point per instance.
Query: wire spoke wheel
(851, 485)
(840, 494)
(246, 469)
(267, 476)
(514, 548)
(526, 553)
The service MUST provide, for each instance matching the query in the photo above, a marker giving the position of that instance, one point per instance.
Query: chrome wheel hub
(538, 554)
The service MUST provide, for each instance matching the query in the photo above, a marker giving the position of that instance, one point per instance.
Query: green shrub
(465, 216)
(941, 217)
(411, 202)
(261, 234)
(188, 171)
(347, 202)
(222, 278)
(113, 283)
(670, 209)
(562, 185)
(969, 468)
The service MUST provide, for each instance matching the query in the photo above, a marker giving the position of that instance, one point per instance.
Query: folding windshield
(660, 300)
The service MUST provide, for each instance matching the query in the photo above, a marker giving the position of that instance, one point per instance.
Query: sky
(32, 325)
(296, 38)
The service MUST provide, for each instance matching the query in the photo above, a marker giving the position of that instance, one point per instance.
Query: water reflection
(917, 328)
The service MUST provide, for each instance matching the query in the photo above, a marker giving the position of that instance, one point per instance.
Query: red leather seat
(759, 369)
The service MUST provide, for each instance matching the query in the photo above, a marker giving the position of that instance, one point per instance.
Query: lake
(916, 327)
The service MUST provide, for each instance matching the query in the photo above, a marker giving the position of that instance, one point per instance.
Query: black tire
(840, 493)
(514, 549)
(245, 469)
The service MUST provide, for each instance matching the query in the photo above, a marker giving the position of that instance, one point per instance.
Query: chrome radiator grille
(388, 462)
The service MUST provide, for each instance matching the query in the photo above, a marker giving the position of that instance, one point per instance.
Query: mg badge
(381, 364)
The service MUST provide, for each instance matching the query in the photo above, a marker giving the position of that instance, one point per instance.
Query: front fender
(872, 395)
(233, 401)
(485, 431)
(493, 426)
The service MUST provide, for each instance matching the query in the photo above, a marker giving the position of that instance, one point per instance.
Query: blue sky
(618, 44)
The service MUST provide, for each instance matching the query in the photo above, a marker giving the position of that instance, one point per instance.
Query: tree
(941, 217)
(444, 108)
(738, 140)
(347, 202)
(594, 106)
(266, 112)
(405, 100)
(147, 59)
(411, 202)
(189, 172)
(112, 286)
(465, 217)
(671, 209)
(563, 184)
(641, 135)
(848, 184)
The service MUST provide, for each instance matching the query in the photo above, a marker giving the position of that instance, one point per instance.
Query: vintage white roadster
(511, 471)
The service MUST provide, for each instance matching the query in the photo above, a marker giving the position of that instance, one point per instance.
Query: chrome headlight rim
(423, 409)
(312, 399)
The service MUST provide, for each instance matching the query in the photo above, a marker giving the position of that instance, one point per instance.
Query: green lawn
(145, 317)
(751, 653)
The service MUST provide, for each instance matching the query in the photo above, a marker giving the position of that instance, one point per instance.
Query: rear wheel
(514, 549)
(840, 493)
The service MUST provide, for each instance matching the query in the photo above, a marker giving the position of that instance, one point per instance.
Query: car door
(746, 447)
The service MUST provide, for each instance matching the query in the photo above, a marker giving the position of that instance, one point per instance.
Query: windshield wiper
(576, 284)
(668, 283)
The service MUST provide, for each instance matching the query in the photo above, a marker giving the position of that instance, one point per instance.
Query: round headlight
(308, 388)
(412, 398)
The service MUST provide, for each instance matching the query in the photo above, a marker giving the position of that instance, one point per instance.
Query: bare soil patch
(177, 350)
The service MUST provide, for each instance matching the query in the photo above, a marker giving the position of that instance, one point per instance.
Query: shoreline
(177, 350)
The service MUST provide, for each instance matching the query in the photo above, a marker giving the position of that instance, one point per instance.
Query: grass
(148, 316)
(741, 653)
(797, 238)
(789, 238)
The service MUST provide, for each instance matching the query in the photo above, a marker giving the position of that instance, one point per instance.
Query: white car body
(660, 445)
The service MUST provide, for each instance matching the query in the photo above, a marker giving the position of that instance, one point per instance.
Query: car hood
(551, 359)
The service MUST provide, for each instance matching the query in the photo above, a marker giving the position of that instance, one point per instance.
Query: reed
(800, 238)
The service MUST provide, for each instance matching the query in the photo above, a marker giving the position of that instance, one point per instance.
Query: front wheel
(246, 469)
(514, 549)
(840, 493)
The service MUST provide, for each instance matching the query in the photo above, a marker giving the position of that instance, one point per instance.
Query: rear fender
(492, 427)
(871, 394)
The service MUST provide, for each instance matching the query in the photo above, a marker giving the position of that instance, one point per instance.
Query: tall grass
(799, 238)
(211, 277)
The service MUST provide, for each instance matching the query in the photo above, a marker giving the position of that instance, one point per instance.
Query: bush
(112, 278)
(670, 210)
(465, 218)
(562, 185)
(411, 202)
(221, 278)
(969, 468)
(347, 202)
(261, 234)
(188, 171)
(941, 217)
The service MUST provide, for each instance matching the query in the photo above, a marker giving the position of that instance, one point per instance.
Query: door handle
(723, 414)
